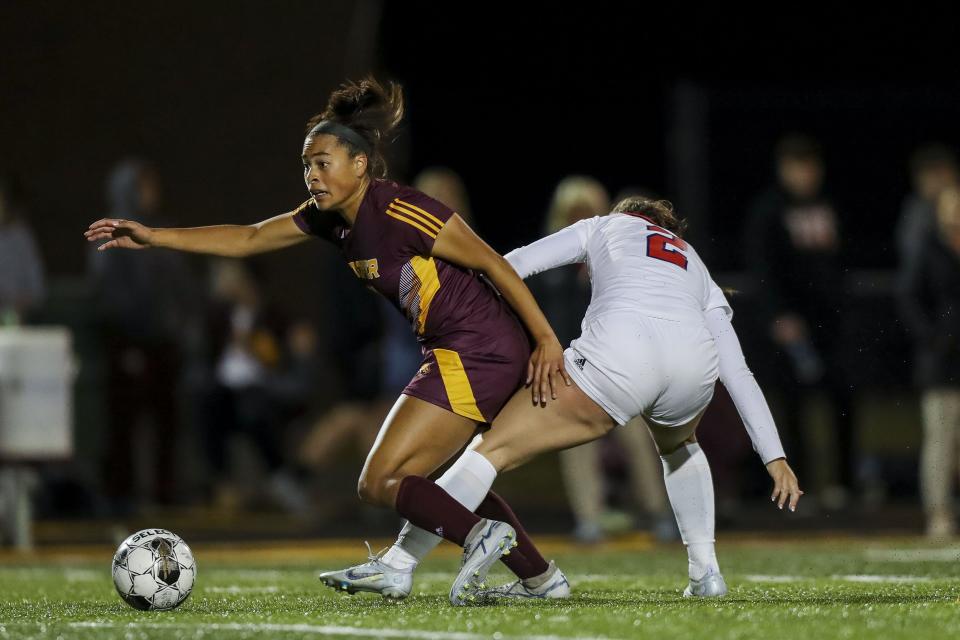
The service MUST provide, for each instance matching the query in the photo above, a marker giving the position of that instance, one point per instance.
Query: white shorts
(632, 365)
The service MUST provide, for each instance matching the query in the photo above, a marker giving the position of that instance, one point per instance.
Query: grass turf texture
(835, 589)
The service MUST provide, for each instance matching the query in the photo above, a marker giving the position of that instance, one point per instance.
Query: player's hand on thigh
(546, 369)
(786, 487)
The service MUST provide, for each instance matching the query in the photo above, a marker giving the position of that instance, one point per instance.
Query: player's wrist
(157, 238)
(546, 336)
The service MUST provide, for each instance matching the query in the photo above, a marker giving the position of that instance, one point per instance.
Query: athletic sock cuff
(538, 581)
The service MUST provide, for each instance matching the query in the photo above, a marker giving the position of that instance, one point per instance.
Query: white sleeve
(743, 387)
(563, 247)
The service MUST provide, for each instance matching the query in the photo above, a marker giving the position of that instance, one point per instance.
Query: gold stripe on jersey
(457, 385)
(412, 223)
(426, 270)
(437, 221)
(403, 211)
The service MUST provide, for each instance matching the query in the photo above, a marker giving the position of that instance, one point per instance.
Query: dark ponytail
(659, 211)
(369, 109)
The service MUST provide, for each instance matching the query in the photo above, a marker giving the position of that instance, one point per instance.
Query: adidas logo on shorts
(580, 362)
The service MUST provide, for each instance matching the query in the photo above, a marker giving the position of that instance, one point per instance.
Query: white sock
(468, 481)
(686, 473)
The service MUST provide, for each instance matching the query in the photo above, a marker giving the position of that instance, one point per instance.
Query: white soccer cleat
(711, 585)
(491, 540)
(552, 585)
(373, 576)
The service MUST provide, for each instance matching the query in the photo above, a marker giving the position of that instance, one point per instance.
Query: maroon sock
(525, 560)
(429, 507)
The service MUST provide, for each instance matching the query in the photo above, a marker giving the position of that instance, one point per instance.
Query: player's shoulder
(589, 225)
(384, 191)
(383, 198)
(399, 204)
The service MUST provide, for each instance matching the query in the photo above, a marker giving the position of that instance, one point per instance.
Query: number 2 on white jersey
(666, 246)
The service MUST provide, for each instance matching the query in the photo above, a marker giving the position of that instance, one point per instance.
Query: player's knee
(368, 489)
(379, 489)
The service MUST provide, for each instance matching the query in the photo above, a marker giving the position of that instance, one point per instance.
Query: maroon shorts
(473, 373)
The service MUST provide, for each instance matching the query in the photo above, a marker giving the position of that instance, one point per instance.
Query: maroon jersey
(449, 307)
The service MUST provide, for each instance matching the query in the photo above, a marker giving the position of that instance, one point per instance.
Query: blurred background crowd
(242, 396)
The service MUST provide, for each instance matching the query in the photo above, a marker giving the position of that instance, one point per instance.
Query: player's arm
(752, 407)
(566, 246)
(229, 240)
(458, 244)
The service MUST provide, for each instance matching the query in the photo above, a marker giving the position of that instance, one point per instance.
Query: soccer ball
(154, 569)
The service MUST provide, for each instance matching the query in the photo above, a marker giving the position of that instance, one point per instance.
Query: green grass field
(844, 588)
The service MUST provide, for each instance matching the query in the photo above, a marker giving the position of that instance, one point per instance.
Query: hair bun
(369, 108)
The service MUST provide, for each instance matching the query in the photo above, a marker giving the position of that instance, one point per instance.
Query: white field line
(895, 579)
(777, 579)
(84, 575)
(600, 577)
(328, 630)
(237, 589)
(841, 578)
(949, 554)
(249, 574)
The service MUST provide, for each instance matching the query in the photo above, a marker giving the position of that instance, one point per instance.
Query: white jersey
(634, 266)
(657, 333)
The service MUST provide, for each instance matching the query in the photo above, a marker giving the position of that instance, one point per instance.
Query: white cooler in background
(36, 415)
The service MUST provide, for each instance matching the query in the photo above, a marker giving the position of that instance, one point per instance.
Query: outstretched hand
(120, 234)
(786, 488)
(545, 369)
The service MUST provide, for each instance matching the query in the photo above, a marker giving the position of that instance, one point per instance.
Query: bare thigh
(669, 439)
(523, 430)
(415, 439)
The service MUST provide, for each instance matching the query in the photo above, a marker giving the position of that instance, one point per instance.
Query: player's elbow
(493, 264)
(249, 242)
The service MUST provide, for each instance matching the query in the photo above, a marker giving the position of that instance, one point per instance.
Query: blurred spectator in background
(21, 269)
(146, 305)
(933, 168)
(793, 247)
(255, 385)
(445, 185)
(564, 294)
(929, 304)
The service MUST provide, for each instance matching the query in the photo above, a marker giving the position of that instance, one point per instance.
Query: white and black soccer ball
(154, 569)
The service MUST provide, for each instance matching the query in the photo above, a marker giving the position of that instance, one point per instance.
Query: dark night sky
(218, 94)
(541, 96)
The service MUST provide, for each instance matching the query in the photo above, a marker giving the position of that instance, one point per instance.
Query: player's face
(329, 172)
